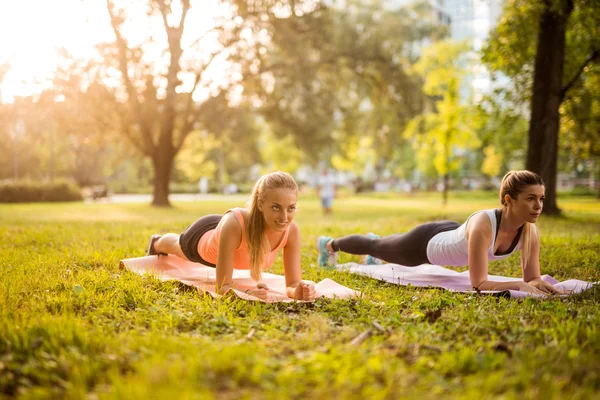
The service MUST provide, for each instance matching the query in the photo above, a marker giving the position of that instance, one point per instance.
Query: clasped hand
(260, 292)
(304, 291)
(539, 286)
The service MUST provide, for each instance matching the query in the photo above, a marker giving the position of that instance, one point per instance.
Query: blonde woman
(246, 238)
(485, 236)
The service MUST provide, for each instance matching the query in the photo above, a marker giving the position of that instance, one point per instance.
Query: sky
(33, 30)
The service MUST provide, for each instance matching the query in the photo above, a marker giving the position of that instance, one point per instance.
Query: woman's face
(529, 203)
(279, 208)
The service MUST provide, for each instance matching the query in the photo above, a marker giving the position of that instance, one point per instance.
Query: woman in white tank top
(485, 236)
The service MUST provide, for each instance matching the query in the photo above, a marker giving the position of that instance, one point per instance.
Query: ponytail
(528, 235)
(255, 237)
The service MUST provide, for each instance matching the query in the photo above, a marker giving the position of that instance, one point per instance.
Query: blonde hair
(258, 245)
(513, 183)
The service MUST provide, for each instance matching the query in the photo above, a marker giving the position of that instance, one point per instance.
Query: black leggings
(190, 238)
(409, 249)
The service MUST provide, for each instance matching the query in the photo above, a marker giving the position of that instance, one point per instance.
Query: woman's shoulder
(479, 223)
(243, 211)
(294, 229)
(483, 215)
(230, 222)
(236, 213)
(230, 230)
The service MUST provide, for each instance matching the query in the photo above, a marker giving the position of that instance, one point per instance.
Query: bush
(580, 191)
(26, 192)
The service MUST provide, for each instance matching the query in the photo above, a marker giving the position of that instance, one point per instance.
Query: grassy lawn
(72, 325)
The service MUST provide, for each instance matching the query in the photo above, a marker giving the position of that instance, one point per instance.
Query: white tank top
(451, 247)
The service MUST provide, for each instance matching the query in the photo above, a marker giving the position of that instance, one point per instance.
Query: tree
(320, 68)
(501, 128)
(86, 115)
(161, 108)
(441, 133)
(26, 134)
(562, 36)
(294, 80)
(151, 121)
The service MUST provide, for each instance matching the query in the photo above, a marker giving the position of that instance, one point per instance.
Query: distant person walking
(203, 185)
(327, 188)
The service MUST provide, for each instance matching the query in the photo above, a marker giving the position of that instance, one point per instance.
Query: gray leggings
(409, 249)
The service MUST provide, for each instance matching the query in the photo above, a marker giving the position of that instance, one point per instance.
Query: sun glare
(33, 30)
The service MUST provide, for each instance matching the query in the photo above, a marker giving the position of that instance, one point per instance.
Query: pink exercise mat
(436, 276)
(203, 277)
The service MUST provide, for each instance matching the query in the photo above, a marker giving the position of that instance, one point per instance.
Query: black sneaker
(150, 251)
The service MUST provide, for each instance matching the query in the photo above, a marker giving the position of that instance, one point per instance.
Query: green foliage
(511, 46)
(27, 129)
(197, 159)
(355, 154)
(71, 136)
(330, 71)
(437, 135)
(227, 144)
(580, 121)
(443, 65)
(492, 162)
(499, 127)
(73, 325)
(279, 154)
(27, 192)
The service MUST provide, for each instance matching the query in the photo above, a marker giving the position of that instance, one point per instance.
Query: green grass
(72, 325)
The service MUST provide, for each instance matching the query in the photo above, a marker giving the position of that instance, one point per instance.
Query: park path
(147, 198)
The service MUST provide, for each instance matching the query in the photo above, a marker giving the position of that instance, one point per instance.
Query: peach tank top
(208, 246)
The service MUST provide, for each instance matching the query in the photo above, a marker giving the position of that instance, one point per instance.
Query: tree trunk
(542, 152)
(163, 165)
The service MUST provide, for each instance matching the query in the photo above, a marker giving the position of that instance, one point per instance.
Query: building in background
(438, 11)
(470, 20)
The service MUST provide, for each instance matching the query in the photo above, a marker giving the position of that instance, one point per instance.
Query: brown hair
(513, 183)
(255, 227)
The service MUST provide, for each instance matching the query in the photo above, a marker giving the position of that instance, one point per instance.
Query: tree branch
(174, 35)
(186, 8)
(116, 22)
(139, 145)
(565, 89)
(208, 32)
(189, 118)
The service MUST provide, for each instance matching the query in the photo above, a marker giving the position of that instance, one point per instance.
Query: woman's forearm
(531, 274)
(492, 285)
